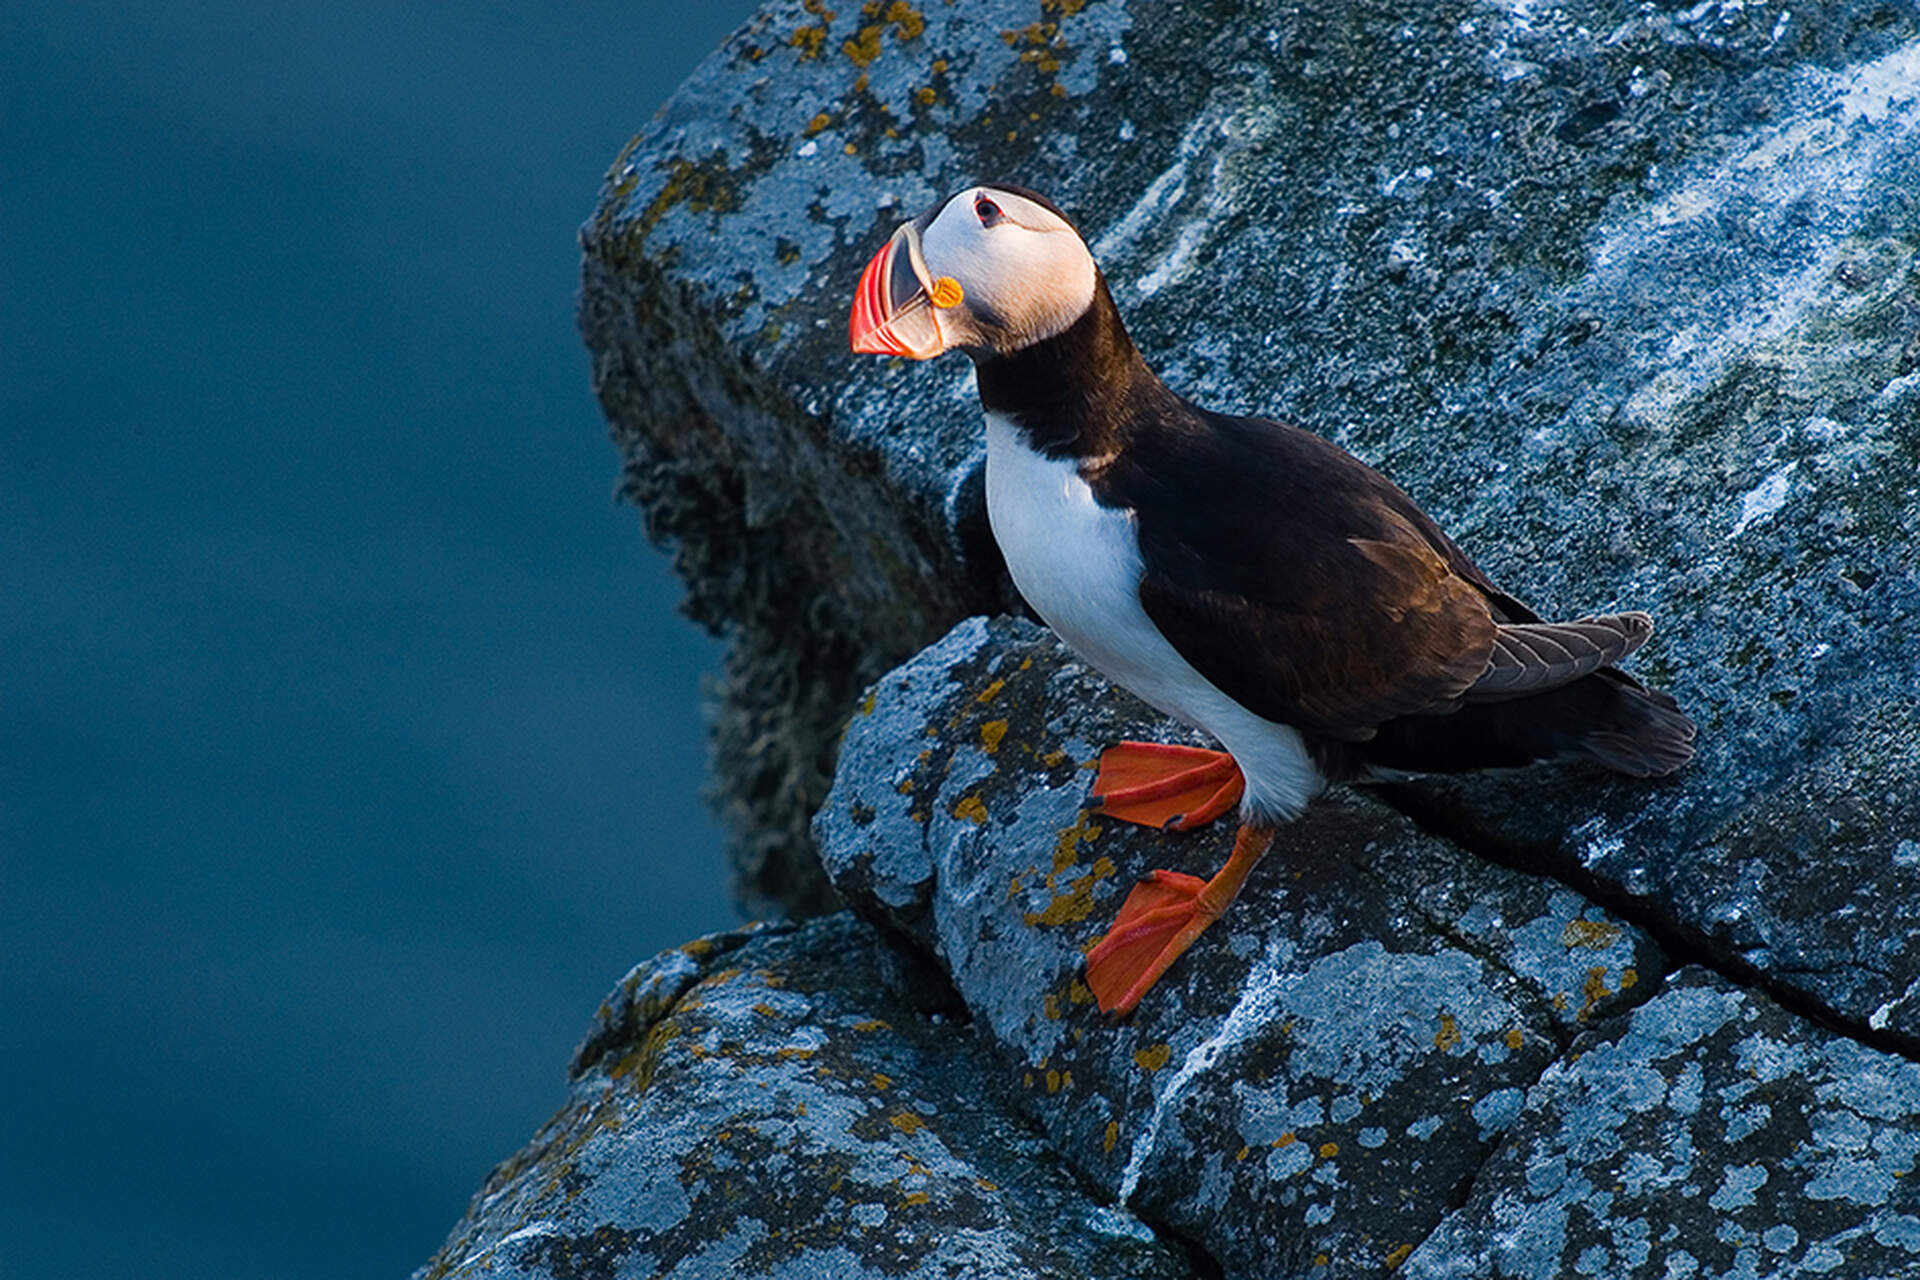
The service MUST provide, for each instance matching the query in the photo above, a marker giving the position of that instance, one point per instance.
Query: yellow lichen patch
(906, 1122)
(1321, 1259)
(1560, 1000)
(863, 48)
(918, 1197)
(986, 1184)
(1079, 993)
(1286, 1139)
(990, 735)
(1065, 8)
(873, 1024)
(1153, 1057)
(1051, 1008)
(1053, 1082)
(1515, 1038)
(1448, 1035)
(1066, 849)
(939, 66)
(765, 1010)
(1596, 935)
(972, 810)
(1075, 903)
(882, 1081)
(1398, 1255)
(873, 695)
(1112, 1135)
(1054, 759)
(790, 1053)
(1594, 989)
(697, 948)
(814, 126)
(1328, 1150)
(808, 41)
(1628, 977)
(1058, 90)
(799, 1108)
(640, 1063)
(991, 692)
(924, 96)
(703, 188)
(1242, 1155)
(850, 149)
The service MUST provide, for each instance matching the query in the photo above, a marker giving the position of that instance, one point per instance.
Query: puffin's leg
(1157, 784)
(1161, 918)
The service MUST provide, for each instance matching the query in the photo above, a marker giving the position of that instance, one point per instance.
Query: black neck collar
(1074, 394)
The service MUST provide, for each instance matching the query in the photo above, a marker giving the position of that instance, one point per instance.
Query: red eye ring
(987, 211)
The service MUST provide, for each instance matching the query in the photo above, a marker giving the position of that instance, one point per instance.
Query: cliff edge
(1628, 297)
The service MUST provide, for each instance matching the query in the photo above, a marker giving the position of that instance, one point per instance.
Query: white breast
(1078, 564)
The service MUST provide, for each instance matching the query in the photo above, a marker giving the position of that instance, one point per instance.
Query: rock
(1707, 1132)
(761, 1103)
(1310, 1085)
(1628, 298)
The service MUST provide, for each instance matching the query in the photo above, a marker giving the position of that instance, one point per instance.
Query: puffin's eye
(987, 211)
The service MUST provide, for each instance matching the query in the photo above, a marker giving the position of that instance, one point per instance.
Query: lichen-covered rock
(1706, 1133)
(763, 1104)
(1627, 296)
(1310, 1085)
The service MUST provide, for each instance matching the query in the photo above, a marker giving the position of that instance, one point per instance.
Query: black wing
(1307, 586)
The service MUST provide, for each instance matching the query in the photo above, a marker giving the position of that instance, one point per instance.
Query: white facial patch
(1028, 268)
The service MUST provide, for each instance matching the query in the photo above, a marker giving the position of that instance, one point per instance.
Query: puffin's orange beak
(892, 312)
(867, 326)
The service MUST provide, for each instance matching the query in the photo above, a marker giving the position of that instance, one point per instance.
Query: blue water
(349, 743)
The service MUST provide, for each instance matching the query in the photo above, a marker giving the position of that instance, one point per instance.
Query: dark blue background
(349, 743)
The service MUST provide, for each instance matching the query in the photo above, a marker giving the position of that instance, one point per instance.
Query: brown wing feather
(1387, 630)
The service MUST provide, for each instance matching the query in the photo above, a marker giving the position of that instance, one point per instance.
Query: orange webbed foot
(1161, 918)
(1159, 784)
(1145, 939)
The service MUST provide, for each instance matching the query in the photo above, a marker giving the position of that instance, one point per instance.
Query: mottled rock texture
(1310, 1086)
(768, 1103)
(1707, 1133)
(1628, 296)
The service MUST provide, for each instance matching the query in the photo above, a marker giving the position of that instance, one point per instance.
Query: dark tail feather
(1607, 717)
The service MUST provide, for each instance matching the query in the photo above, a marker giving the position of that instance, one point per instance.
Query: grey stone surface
(1304, 1090)
(1706, 1133)
(765, 1104)
(1626, 295)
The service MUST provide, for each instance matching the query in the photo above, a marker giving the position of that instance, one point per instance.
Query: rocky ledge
(1628, 296)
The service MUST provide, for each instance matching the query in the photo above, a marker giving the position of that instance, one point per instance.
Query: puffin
(1245, 577)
